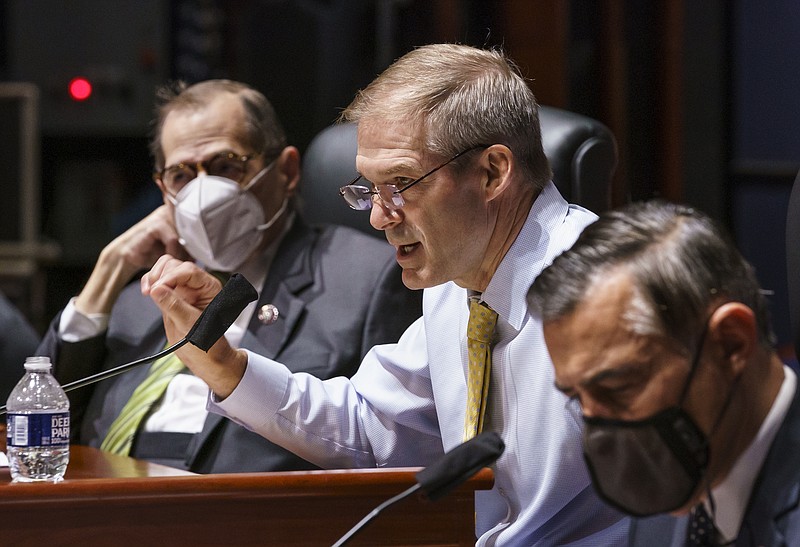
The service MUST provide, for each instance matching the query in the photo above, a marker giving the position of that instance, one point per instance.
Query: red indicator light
(80, 89)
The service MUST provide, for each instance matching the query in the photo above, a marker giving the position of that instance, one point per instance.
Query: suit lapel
(132, 334)
(291, 272)
(136, 329)
(658, 531)
(777, 489)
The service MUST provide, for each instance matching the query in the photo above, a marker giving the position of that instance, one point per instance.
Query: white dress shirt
(406, 404)
(732, 494)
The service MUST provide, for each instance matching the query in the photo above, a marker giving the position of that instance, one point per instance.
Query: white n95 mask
(219, 222)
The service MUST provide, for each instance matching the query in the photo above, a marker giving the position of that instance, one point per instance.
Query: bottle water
(38, 425)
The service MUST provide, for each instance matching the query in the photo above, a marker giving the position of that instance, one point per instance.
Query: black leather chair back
(328, 164)
(582, 154)
(793, 262)
(581, 150)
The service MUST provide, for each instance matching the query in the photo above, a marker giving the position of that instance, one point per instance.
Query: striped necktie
(119, 438)
(480, 330)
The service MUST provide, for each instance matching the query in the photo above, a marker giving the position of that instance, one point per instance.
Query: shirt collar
(733, 493)
(527, 257)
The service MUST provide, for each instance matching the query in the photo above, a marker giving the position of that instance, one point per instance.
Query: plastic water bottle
(38, 425)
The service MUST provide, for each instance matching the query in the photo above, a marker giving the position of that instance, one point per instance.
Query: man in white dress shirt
(450, 153)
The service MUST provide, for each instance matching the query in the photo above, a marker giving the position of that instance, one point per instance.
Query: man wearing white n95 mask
(228, 179)
(205, 206)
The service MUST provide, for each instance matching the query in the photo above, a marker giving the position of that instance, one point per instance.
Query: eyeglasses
(360, 197)
(226, 164)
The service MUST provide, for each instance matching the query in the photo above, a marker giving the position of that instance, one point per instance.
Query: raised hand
(181, 290)
(135, 250)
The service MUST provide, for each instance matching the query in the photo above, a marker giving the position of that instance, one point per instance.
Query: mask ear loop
(695, 363)
(715, 426)
(267, 225)
(258, 177)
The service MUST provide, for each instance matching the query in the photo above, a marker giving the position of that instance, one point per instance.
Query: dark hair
(263, 129)
(682, 263)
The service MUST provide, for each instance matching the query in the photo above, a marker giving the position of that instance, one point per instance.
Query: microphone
(441, 477)
(455, 467)
(220, 314)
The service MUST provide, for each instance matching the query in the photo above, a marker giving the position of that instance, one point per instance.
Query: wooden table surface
(114, 500)
(90, 463)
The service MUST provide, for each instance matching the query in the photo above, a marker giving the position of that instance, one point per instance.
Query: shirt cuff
(261, 392)
(74, 326)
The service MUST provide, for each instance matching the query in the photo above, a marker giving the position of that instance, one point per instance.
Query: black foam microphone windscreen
(459, 464)
(441, 477)
(221, 312)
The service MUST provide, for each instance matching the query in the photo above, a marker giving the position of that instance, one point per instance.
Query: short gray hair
(462, 97)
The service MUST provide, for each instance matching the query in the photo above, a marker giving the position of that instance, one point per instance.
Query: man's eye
(180, 177)
(402, 182)
(618, 394)
(228, 170)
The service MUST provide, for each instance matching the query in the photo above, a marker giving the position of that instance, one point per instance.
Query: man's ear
(288, 165)
(497, 162)
(733, 326)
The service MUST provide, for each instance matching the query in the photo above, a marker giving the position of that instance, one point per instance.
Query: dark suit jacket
(18, 340)
(772, 517)
(338, 291)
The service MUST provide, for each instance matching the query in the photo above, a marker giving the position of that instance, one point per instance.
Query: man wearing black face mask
(658, 331)
(228, 178)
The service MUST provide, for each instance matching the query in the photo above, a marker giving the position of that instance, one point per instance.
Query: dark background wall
(764, 137)
(699, 94)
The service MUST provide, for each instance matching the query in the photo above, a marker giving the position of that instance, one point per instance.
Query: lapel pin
(268, 314)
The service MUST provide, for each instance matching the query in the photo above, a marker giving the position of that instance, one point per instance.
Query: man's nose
(592, 408)
(382, 217)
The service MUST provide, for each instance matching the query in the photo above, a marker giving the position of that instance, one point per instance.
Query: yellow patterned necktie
(119, 438)
(480, 329)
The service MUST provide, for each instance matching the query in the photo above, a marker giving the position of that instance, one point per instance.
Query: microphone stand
(442, 476)
(110, 373)
(122, 368)
(374, 513)
(215, 319)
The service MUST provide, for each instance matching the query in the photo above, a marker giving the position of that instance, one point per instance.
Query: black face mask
(648, 466)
